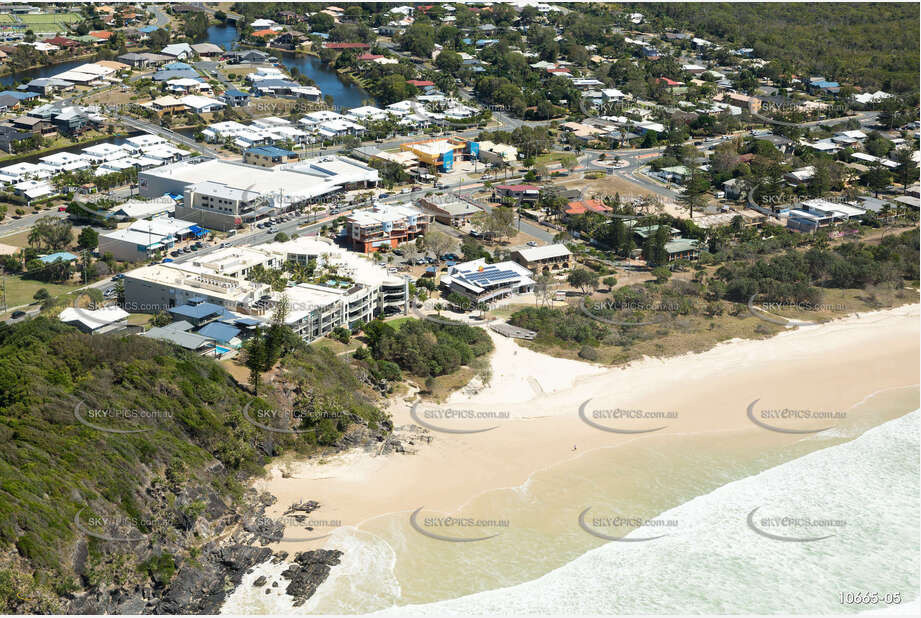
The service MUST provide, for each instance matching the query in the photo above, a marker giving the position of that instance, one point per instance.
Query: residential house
(179, 51)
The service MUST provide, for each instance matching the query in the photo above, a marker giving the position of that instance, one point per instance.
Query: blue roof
(162, 76)
(60, 255)
(275, 83)
(233, 92)
(219, 332)
(271, 151)
(230, 318)
(197, 311)
(825, 84)
(322, 35)
(148, 29)
(19, 95)
(174, 66)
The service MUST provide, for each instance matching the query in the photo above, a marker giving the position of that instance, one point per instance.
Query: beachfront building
(385, 225)
(346, 288)
(547, 259)
(481, 282)
(814, 214)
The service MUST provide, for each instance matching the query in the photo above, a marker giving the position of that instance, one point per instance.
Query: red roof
(346, 45)
(746, 158)
(101, 34)
(580, 208)
(267, 32)
(61, 41)
(558, 70)
(419, 83)
(369, 56)
(518, 188)
(668, 82)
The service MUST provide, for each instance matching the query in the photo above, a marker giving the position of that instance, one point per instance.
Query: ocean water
(861, 478)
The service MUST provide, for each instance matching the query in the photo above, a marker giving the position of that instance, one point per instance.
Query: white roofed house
(145, 139)
(187, 84)
(339, 128)
(101, 153)
(816, 213)
(367, 113)
(314, 119)
(95, 321)
(66, 161)
(25, 171)
(481, 282)
(180, 51)
(202, 105)
(34, 189)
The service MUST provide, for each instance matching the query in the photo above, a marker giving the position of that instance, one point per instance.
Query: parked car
(167, 260)
(118, 277)
(531, 243)
(398, 252)
(18, 314)
(224, 245)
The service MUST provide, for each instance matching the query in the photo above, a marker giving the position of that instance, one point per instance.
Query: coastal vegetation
(682, 311)
(191, 439)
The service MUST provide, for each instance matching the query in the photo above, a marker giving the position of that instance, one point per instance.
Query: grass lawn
(397, 323)
(47, 19)
(551, 157)
(139, 319)
(19, 291)
(335, 346)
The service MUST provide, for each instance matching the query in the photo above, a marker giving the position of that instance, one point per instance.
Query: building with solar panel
(481, 282)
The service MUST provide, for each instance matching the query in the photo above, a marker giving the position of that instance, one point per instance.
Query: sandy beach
(531, 415)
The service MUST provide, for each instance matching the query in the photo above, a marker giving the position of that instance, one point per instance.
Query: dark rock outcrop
(310, 569)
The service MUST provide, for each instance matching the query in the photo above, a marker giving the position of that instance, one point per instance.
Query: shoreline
(716, 386)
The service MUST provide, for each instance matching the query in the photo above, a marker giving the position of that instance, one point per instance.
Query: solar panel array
(490, 275)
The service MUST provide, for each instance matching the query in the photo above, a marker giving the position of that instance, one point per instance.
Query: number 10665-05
(869, 598)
